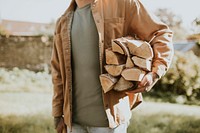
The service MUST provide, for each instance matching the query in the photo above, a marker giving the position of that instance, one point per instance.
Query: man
(82, 34)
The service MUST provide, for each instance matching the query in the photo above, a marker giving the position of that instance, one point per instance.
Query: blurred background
(26, 29)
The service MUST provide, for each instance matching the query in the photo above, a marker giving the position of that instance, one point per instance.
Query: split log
(144, 51)
(117, 48)
(140, 48)
(133, 74)
(123, 84)
(107, 82)
(122, 43)
(114, 70)
(129, 63)
(133, 45)
(142, 63)
(113, 58)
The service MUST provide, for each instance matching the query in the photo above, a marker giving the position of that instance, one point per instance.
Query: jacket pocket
(113, 28)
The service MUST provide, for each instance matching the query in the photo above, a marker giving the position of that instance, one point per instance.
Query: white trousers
(76, 128)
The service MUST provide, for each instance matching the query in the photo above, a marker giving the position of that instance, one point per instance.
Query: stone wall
(25, 52)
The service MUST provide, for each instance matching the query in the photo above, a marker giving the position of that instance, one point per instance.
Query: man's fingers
(145, 85)
(146, 81)
(143, 82)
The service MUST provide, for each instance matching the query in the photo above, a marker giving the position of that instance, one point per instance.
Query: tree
(196, 25)
(173, 21)
(169, 18)
(197, 21)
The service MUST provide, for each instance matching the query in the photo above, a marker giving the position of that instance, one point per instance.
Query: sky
(48, 10)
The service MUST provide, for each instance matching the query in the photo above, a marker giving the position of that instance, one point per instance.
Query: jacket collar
(73, 5)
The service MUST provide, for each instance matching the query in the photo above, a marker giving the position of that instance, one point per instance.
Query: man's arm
(57, 100)
(147, 27)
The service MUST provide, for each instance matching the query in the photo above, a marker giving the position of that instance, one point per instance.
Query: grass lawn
(26, 112)
(26, 124)
(164, 123)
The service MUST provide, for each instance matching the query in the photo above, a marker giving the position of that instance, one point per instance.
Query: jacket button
(98, 21)
(102, 41)
(106, 105)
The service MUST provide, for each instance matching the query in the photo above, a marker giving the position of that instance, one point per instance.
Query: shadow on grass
(164, 123)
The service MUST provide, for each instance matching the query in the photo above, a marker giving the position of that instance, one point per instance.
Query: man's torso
(87, 92)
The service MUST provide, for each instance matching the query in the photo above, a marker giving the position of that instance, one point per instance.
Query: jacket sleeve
(147, 27)
(57, 100)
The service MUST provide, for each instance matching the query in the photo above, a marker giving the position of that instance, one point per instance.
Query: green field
(30, 112)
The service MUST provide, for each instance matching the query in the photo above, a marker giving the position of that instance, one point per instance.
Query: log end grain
(114, 70)
(113, 58)
(123, 85)
(133, 74)
(107, 82)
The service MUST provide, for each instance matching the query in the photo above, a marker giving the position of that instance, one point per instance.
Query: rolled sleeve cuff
(160, 70)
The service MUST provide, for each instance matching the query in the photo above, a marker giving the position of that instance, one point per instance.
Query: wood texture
(113, 58)
(129, 63)
(144, 51)
(122, 43)
(114, 70)
(133, 74)
(133, 45)
(123, 84)
(142, 63)
(117, 48)
(107, 82)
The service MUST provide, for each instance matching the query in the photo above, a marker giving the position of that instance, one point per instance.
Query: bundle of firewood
(127, 61)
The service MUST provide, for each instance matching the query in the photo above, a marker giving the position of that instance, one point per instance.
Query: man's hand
(60, 125)
(146, 84)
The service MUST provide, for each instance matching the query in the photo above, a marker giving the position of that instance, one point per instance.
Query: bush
(164, 123)
(182, 79)
(16, 80)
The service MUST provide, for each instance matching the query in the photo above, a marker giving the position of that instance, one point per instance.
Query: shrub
(183, 77)
(24, 80)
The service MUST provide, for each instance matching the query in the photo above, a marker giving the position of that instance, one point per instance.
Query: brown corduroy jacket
(114, 19)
